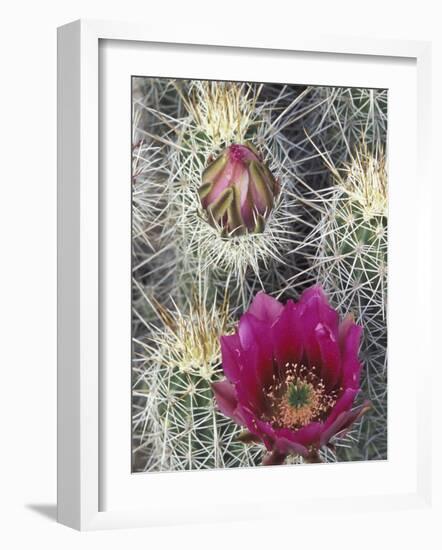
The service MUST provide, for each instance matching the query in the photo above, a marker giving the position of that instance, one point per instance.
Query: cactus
(188, 258)
(181, 429)
(221, 116)
(353, 115)
(352, 266)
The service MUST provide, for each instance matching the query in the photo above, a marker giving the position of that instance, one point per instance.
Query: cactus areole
(238, 191)
(292, 375)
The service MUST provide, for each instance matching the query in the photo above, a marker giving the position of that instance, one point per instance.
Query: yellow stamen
(284, 413)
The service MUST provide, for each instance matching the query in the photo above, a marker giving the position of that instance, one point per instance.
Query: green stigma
(298, 395)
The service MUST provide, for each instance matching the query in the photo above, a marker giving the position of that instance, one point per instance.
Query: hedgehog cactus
(189, 433)
(353, 255)
(228, 184)
(231, 195)
(353, 114)
(183, 428)
(352, 265)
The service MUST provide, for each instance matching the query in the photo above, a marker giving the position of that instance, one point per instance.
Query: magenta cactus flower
(238, 191)
(292, 375)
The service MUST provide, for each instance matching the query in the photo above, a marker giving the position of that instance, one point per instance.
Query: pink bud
(238, 191)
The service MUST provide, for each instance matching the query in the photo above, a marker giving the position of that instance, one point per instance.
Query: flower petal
(261, 190)
(343, 422)
(314, 310)
(286, 336)
(344, 327)
(315, 301)
(343, 404)
(351, 366)
(213, 171)
(330, 355)
(258, 427)
(334, 428)
(287, 446)
(240, 368)
(228, 403)
(265, 308)
(225, 396)
(256, 341)
(240, 179)
(230, 351)
(307, 436)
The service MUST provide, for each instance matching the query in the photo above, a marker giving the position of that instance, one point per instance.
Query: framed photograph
(239, 223)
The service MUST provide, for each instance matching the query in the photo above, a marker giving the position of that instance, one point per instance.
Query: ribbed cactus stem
(183, 427)
(352, 265)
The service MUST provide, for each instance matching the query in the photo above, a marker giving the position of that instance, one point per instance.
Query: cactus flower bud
(238, 191)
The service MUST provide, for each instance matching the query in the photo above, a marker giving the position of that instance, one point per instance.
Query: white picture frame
(82, 443)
